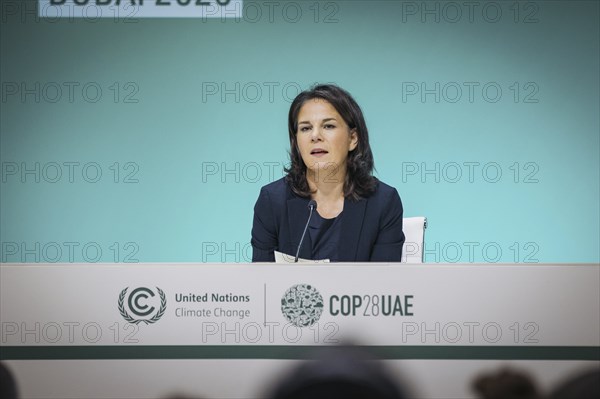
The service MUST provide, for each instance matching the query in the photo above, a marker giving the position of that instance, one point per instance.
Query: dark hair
(360, 181)
(344, 372)
(505, 384)
(585, 385)
(8, 385)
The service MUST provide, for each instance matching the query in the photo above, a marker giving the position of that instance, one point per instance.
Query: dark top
(324, 236)
(370, 229)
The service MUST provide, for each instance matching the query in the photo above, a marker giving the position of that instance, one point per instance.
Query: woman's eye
(303, 129)
(330, 126)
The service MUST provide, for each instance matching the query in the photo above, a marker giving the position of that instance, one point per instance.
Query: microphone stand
(312, 205)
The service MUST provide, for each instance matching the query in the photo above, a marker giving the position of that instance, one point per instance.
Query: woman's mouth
(318, 152)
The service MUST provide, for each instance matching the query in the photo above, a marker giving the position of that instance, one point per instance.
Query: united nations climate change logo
(137, 302)
(302, 305)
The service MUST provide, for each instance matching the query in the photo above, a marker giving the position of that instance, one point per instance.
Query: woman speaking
(329, 205)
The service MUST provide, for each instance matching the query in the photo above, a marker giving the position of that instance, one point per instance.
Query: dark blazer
(371, 227)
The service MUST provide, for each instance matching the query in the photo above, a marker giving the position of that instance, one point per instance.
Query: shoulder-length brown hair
(360, 181)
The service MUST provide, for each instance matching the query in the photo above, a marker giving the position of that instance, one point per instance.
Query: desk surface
(172, 310)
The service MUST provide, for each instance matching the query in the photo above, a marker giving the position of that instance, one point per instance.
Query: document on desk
(280, 257)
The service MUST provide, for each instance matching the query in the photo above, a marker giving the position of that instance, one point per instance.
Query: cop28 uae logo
(302, 305)
(139, 302)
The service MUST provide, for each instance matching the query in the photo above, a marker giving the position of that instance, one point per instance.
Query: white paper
(280, 257)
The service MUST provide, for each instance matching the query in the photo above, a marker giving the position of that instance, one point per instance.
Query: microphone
(312, 205)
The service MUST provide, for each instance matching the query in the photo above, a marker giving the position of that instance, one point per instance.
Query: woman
(357, 217)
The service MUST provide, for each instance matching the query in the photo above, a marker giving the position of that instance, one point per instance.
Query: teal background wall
(191, 160)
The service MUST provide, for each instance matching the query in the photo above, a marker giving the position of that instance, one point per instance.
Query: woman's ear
(353, 140)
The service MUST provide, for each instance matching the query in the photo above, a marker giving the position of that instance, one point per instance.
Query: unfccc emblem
(142, 303)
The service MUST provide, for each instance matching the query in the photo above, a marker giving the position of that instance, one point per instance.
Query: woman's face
(324, 139)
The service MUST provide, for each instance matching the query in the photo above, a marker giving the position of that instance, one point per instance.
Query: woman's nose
(316, 134)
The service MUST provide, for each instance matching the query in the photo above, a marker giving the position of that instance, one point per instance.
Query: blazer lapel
(352, 222)
(297, 217)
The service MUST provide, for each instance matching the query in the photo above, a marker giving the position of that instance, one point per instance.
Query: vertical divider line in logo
(265, 305)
